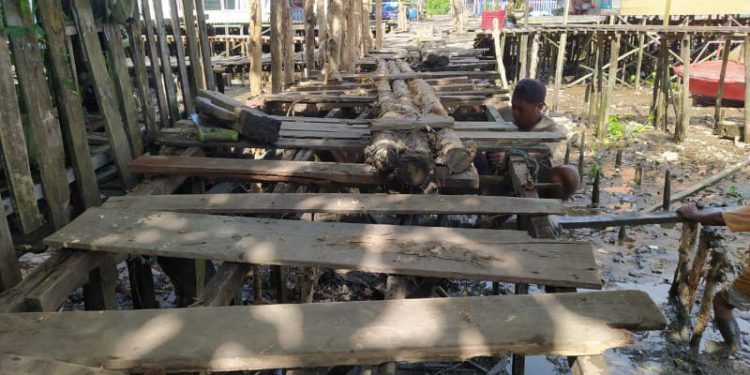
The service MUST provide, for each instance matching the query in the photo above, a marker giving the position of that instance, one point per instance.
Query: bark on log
(415, 164)
(334, 39)
(383, 153)
(451, 152)
(426, 98)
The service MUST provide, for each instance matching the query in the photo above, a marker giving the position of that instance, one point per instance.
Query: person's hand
(689, 212)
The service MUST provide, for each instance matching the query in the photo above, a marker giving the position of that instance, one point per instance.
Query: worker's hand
(689, 212)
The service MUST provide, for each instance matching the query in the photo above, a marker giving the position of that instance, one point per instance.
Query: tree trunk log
(451, 152)
(384, 150)
(335, 37)
(415, 164)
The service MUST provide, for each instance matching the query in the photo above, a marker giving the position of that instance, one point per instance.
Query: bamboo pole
(719, 113)
(256, 47)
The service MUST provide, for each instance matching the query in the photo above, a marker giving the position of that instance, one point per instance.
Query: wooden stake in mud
(595, 191)
(256, 47)
(679, 291)
(686, 103)
(607, 93)
(581, 155)
(618, 158)
(566, 160)
(667, 195)
(639, 58)
(719, 114)
(718, 262)
(277, 42)
(638, 177)
(746, 129)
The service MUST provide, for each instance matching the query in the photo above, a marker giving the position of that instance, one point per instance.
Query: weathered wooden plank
(166, 67)
(187, 95)
(508, 137)
(402, 204)
(433, 122)
(225, 283)
(304, 172)
(10, 274)
(44, 129)
(103, 89)
(13, 141)
(327, 334)
(191, 29)
(11, 364)
(422, 75)
(509, 256)
(603, 221)
(138, 56)
(68, 103)
(205, 46)
(121, 79)
(153, 55)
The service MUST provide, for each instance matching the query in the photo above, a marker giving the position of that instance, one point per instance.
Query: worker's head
(528, 103)
(567, 180)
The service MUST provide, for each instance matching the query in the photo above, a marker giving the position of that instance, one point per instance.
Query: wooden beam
(509, 256)
(604, 221)
(187, 95)
(278, 336)
(13, 141)
(153, 56)
(166, 65)
(225, 283)
(746, 129)
(208, 70)
(402, 204)
(69, 104)
(44, 129)
(138, 57)
(191, 29)
(277, 78)
(103, 89)
(10, 273)
(256, 47)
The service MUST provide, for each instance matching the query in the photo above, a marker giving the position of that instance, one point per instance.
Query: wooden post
(208, 69)
(719, 114)
(349, 44)
(638, 177)
(379, 24)
(45, 136)
(166, 63)
(523, 55)
(581, 155)
(191, 30)
(560, 63)
(618, 158)
(257, 284)
(595, 191)
(499, 52)
(458, 15)
(365, 25)
(593, 95)
(288, 32)
(309, 35)
(356, 21)
(277, 42)
(256, 48)
(679, 290)
(138, 57)
(718, 262)
(686, 104)
(116, 60)
(658, 100)
(187, 96)
(664, 82)
(141, 284)
(15, 155)
(322, 32)
(153, 55)
(69, 105)
(534, 56)
(99, 292)
(614, 53)
(566, 160)
(746, 129)
(667, 194)
(10, 273)
(336, 31)
(639, 58)
(103, 89)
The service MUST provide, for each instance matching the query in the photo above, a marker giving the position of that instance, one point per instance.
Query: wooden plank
(153, 55)
(10, 273)
(313, 335)
(604, 221)
(683, 7)
(69, 105)
(187, 95)
(208, 70)
(191, 29)
(303, 172)
(13, 141)
(11, 364)
(509, 256)
(103, 89)
(484, 126)
(433, 122)
(225, 284)
(509, 137)
(121, 79)
(422, 75)
(402, 204)
(166, 67)
(138, 56)
(44, 129)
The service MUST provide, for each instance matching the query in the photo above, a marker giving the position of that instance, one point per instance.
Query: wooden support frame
(138, 56)
(153, 55)
(166, 61)
(191, 31)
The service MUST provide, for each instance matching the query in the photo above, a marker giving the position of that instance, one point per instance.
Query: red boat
(704, 79)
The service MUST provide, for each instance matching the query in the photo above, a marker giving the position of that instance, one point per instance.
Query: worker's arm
(705, 217)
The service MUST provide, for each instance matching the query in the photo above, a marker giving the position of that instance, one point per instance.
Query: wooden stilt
(141, 284)
(257, 284)
(595, 191)
(191, 31)
(719, 114)
(365, 28)
(566, 160)
(99, 292)
(718, 262)
(686, 103)
(534, 56)
(581, 155)
(336, 30)
(679, 291)
(499, 52)
(523, 55)
(746, 129)
(379, 24)
(205, 45)
(667, 194)
(321, 9)
(187, 96)
(277, 41)
(153, 55)
(166, 65)
(138, 56)
(309, 35)
(639, 57)
(606, 94)
(560, 61)
(256, 47)
(288, 33)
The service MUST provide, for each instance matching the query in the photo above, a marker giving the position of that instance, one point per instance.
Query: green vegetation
(595, 168)
(619, 128)
(436, 7)
(734, 192)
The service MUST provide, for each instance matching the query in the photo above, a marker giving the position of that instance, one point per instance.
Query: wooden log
(534, 55)
(639, 57)
(428, 101)
(686, 104)
(595, 190)
(121, 79)
(138, 57)
(604, 221)
(188, 96)
(153, 55)
(320, 10)
(256, 47)
(334, 41)
(593, 83)
(10, 273)
(309, 35)
(398, 204)
(499, 52)
(166, 66)
(451, 152)
(288, 46)
(581, 155)
(746, 128)
(713, 277)
(589, 365)
(415, 163)
(205, 45)
(667, 193)
(222, 287)
(15, 155)
(379, 24)
(408, 326)
(366, 29)
(69, 105)
(384, 151)
(44, 134)
(606, 94)
(277, 47)
(191, 31)
(718, 113)
(680, 291)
